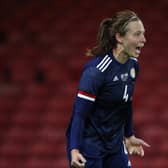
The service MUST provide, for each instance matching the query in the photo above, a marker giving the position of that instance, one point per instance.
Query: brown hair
(106, 40)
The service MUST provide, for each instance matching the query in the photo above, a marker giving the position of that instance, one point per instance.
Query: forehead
(135, 26)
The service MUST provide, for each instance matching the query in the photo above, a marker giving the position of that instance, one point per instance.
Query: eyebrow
(140, 31)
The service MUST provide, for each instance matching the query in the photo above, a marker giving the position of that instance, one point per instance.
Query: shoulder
(99, 63)
(93, 73)
(134, 60)
(134, 66)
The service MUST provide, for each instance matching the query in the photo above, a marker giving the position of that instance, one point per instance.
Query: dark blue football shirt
(102, 112)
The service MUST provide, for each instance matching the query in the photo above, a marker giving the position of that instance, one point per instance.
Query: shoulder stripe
(106, 66)
(102, 61)
(105, 62)
(86, 96)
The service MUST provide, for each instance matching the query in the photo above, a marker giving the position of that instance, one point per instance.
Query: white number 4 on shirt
(125, 96)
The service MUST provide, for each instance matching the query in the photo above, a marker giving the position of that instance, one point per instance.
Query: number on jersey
(125, 96)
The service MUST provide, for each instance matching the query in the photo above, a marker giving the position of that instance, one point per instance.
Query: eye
(137, 34)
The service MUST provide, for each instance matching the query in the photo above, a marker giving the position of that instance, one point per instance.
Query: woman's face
(134, 39)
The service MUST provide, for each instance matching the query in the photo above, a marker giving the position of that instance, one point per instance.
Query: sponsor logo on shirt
(115, 78)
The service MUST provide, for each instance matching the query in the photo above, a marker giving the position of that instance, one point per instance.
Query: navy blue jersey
(102, 109)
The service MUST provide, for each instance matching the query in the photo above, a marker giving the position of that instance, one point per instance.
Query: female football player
(100, 132)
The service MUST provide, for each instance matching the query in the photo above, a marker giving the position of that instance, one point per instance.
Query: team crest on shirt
(132, 72)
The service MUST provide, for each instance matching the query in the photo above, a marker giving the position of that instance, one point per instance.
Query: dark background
(42, 52)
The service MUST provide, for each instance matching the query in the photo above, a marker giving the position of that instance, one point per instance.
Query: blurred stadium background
(42, 46)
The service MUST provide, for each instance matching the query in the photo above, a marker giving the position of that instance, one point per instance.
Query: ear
(118, 38)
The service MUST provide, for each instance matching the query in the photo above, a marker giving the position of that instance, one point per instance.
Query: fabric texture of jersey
(102, 112)
(119, 160)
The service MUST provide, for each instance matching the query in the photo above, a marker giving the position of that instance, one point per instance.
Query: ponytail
(103, 39)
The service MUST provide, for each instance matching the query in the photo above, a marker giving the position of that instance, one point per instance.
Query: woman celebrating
(101, 128)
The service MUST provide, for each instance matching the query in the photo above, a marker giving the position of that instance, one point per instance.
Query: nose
(143, 38)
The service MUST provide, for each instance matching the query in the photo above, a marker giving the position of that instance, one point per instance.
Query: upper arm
(91, 80)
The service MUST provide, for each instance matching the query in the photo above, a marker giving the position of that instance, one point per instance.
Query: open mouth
(138, 50)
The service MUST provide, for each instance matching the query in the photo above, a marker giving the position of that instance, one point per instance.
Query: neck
(120, 55)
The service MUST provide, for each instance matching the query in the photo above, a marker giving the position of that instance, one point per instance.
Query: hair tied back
(107, 22)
